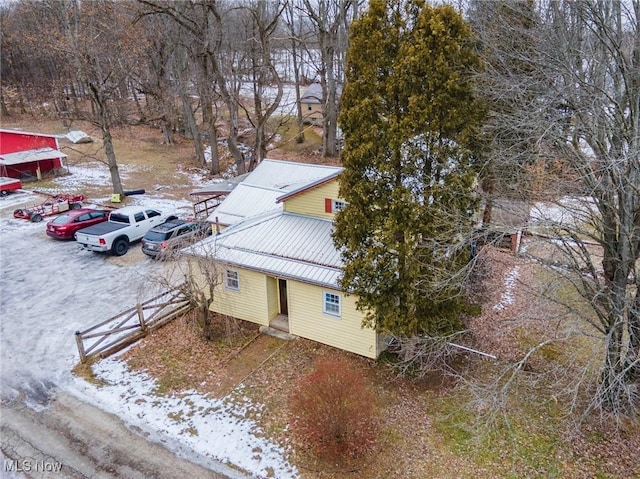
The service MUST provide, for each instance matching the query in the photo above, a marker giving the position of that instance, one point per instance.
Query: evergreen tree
(410, 120)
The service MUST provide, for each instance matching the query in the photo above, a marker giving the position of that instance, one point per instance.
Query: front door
(282, 289)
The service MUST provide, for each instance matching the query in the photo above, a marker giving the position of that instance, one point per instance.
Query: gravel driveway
(48, 290)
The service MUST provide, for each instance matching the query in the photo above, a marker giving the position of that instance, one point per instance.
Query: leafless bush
(334, 412)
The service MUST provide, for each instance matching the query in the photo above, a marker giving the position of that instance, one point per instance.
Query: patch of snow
(507, 298)
(211, 427)
(50, 289)
(90, 174)
(568, 211)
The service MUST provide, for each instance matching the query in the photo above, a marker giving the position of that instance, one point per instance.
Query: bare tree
(206, 23)
(263, 73)
(156, 80)
(330, 20)
(585, 113)
(293, 22)
(95, 48)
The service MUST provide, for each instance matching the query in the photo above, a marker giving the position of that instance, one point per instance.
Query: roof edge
(32, 133)
(308, 187)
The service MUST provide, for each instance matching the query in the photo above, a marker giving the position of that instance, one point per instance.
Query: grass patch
(288, 131)
(85, 371)
(523, 443)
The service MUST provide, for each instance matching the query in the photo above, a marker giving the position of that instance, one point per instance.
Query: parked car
(64, 226)
(173, 234)
(124, 226)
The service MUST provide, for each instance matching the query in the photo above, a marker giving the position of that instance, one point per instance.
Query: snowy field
(49, 289)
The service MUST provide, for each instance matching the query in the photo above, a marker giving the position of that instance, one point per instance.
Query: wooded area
(559, 82)
(207, 70)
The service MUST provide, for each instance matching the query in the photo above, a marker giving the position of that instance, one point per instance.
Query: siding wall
(312, 113)
(249, 302)
(312, 202)
(307, 320)
(272, 297)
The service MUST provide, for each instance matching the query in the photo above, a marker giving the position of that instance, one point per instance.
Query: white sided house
(279, 268)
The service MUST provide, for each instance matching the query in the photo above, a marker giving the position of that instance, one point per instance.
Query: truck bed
(102, 228)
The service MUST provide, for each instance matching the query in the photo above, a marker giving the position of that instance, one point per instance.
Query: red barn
(28, 155)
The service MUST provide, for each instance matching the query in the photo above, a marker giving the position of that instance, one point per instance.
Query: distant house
(29, 155)
(279, 267)
(311, 100)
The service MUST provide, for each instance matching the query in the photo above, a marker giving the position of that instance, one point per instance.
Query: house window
(332, 304)
(333, 206)
(231, 279)
(338, 205)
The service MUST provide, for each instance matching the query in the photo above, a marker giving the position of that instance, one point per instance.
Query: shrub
(334, 412)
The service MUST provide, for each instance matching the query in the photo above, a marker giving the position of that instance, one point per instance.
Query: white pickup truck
(124, 226)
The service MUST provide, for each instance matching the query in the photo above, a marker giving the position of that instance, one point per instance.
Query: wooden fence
(114, 334)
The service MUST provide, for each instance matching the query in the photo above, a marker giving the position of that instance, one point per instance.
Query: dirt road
(72, 439)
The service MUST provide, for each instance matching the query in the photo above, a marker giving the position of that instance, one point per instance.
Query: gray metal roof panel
(259, 191)
(286, 176)
(28, 156)
(244, 202)
(282, 244)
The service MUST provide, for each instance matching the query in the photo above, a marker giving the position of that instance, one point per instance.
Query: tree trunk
(207, 326)
(192, 127)
(330, 114)
(111, 156)
(167, 131)
(215, 158)
(291, 17)
(4, 111)
(214, 167)
(488, 185)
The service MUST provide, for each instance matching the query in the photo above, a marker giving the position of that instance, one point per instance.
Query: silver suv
(173, 234)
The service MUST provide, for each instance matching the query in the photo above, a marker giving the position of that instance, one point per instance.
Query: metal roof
(244, 202)
(220, 187)
(307, 187)
(30, 133)
(28, 156)
(282, 244)
(271, 179)
(312, 94)
(286, 176)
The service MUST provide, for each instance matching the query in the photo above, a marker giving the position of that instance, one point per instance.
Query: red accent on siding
(328, 205)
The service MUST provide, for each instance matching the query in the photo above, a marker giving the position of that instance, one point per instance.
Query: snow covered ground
(49, 289)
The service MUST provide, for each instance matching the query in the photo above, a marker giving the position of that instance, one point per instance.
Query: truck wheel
(4, 192)
(120, 247)
(18, 213)
(75, 206)
(36, 217)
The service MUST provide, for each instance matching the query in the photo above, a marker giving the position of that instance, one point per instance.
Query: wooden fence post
(143, 325)
(80, 344)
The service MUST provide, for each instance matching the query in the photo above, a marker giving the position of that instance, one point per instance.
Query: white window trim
(227, 278)
(335, 208)
(339, 304)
